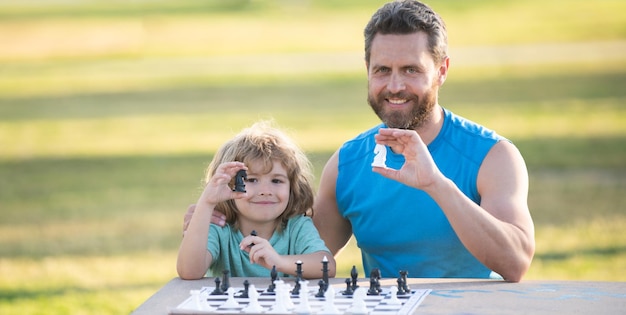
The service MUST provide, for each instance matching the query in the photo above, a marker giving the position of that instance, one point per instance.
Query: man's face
(403, 80)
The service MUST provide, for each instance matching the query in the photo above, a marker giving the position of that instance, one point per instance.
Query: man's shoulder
(459, 126)
(362, 142)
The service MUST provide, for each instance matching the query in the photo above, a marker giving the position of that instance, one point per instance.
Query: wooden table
(454, 296)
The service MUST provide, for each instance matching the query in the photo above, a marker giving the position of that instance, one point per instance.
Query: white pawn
(253, 305)
(303, 306)
(393, 299)
(358, 305)
(230, 302)
(199, 300)
(329, 306)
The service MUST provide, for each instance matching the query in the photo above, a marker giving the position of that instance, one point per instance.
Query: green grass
(103, 145)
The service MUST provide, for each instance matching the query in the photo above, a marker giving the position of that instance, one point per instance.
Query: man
(452, 201)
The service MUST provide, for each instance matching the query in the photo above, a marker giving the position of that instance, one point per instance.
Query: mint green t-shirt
(299, 237)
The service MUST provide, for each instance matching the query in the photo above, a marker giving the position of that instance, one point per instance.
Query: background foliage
(111, 110)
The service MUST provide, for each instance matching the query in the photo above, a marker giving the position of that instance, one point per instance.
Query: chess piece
(374, 282)
(400, 287)
(372, 290)
(358, 302)
(274, 277)
(246, 289)
(240, 185)
(322, 289)
(405, 286)
(199, 298)
(329, 307)
(303, 306)
(282, 303)
(380, 156)
(230, 301)
(393, 296)
(354, 275)
(325, 272)
(225, 280)
(253, 233)
(253, 305)
(348, 290)
(218, 287)
(296, 289)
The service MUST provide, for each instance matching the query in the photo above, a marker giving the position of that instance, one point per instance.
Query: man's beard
(419, 114)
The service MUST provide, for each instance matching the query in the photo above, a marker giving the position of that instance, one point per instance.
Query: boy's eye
(251, 180)
(277, 181)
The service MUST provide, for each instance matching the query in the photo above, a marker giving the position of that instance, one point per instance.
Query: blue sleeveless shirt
(402, 228)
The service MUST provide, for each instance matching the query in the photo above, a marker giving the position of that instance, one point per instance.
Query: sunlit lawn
(103, 145)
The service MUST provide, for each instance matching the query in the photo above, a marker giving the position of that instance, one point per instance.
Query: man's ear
(443, 70)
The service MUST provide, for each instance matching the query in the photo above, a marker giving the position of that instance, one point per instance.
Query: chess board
(376, 304)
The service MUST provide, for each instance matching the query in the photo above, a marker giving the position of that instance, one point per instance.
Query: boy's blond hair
(266, 143)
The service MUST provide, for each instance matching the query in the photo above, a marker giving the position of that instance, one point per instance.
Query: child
(277, 195)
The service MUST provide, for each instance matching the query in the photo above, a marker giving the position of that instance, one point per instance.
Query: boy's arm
(193, 257)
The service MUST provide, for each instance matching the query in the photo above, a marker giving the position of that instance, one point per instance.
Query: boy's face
(268, 194)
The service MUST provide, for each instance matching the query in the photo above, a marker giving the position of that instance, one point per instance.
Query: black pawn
(225, 280)
(218, 289)
(348, 290)
(246, 287)
(322, 289)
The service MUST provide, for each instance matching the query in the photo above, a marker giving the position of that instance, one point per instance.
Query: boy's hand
(260, 251)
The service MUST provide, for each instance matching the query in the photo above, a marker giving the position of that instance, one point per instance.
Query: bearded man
(452, 198)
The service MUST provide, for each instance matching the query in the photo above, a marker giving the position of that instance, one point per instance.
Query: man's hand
(217, 217)
(419, 169)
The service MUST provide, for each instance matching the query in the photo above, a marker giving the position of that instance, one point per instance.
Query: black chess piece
(400, 286)
(372, 290)
(253, 233)
(354, 275)
(225, 280)
(325, 272)
(246, 287)
(273, 277)
(218, 288)
(405, 286)
(240, 186)
(322, 289)
(348, 290)
(296, 288)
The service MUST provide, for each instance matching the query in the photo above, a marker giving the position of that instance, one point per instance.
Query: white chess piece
(329, 305)
(230, 302)
(200, 300)
(281, 304)
(380, 156)
(303, 306)
(393, 299)
(358, 304)
(253, 304)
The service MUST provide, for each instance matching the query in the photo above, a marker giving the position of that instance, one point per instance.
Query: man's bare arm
(334, 229)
